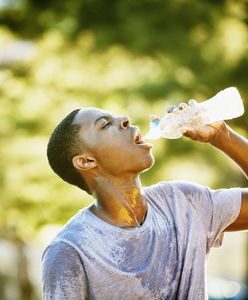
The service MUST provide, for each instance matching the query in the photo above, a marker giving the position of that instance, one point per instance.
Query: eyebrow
(102, 117)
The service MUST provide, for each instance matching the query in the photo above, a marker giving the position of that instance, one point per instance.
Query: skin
(111, 163)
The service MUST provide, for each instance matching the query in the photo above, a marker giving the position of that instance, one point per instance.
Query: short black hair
(63, 145)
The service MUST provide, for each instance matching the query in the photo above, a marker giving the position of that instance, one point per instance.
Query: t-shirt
(163, 259)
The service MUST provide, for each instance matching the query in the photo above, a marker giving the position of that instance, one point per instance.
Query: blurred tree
(206, 37)
(131, 57)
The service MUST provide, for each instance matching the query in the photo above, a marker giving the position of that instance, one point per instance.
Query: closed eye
(106, 125)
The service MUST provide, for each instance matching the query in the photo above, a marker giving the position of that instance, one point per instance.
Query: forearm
(233, 145)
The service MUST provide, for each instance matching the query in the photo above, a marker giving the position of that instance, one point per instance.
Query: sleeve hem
(236, 206)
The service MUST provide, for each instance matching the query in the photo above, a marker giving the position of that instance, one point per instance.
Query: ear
(84, 162)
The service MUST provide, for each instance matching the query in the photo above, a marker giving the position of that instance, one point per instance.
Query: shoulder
(74, 230)
(176, 194)
(162, 194)
(158, 188)
(58, 251)
(58, 258)
(64, 244)
(173, 187)
(63, 273)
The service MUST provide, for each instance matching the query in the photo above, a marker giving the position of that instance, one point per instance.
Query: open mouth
(138, 140)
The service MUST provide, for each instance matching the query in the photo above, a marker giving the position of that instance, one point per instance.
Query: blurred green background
(132, 58)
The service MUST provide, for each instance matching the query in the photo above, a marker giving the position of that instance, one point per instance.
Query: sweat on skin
(139, 242)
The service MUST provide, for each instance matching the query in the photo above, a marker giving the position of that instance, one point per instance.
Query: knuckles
(181, 106)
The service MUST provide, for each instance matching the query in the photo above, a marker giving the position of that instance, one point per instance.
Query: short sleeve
(63, 275)
(217, 209)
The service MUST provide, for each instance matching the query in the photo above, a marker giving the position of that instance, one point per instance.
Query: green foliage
(129, 57)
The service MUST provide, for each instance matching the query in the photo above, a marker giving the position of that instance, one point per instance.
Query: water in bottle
(226, 105)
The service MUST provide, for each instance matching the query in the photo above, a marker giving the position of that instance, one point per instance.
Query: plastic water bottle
(226, 105)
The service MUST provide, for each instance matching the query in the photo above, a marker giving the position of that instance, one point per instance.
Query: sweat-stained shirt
(163, 259)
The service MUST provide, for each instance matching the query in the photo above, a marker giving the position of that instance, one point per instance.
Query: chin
(147, 164)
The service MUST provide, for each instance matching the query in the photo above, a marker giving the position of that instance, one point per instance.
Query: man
(135, 242)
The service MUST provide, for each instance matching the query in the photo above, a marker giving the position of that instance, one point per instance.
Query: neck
(119, 201)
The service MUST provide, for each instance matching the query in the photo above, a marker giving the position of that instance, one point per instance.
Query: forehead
(87, 116)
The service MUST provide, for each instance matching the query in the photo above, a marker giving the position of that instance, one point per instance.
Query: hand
(205, 134)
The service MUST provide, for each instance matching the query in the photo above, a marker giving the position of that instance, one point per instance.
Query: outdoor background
(132, 58)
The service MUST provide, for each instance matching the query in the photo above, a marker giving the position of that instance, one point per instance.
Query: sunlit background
(132, 58)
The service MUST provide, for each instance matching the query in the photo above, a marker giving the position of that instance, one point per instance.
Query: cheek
(123, 159)
(112, 154)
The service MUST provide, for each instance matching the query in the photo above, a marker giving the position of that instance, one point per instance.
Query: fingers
(173, 109)
(192, 134)
(189, 133)
(181, 106)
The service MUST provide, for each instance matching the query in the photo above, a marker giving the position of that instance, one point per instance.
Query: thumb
(192, 134)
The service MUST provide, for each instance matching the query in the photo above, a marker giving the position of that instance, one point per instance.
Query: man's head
(63, 145)
(91, 142)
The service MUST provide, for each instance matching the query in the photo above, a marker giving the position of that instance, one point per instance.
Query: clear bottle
(226, 105)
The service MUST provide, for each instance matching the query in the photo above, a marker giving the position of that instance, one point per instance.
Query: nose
(125, 121)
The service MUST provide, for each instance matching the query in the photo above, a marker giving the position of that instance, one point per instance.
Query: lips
(138, 140)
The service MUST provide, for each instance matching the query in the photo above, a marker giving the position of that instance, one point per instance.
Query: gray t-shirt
(162, 259)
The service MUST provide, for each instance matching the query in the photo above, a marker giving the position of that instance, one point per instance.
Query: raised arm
(234, 146)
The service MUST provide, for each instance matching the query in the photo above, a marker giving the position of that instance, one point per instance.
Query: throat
(135, 215)
(122, 205)
(122, 217)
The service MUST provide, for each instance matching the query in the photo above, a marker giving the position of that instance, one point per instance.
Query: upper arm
(241, 223)
(63, 275)
(217, 209)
